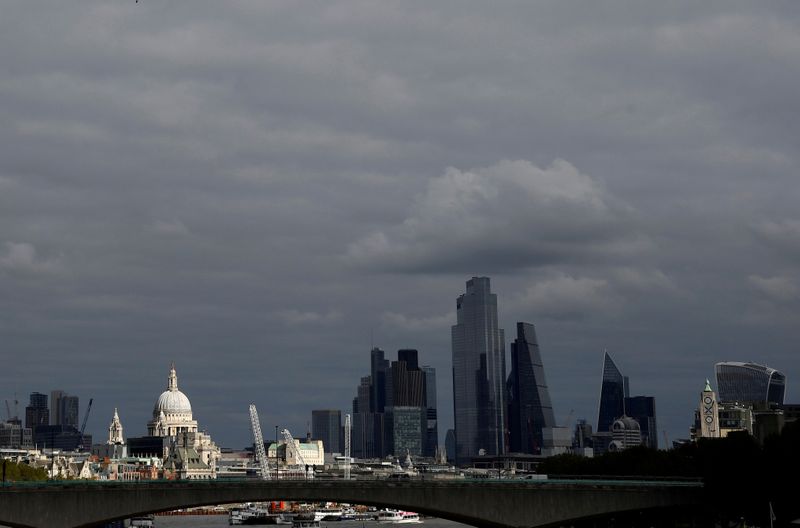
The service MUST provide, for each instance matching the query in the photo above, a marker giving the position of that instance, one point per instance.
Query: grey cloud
(503, 217)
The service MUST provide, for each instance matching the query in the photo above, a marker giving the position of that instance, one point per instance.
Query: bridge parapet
(490, 503)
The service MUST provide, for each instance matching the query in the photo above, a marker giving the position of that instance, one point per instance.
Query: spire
(173, 378)
(116, 416)
(708, 387)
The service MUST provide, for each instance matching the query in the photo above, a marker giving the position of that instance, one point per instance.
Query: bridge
(483, 503)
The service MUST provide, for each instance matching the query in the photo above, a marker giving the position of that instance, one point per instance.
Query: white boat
(144, 521)
(398, 517)
(409, 518)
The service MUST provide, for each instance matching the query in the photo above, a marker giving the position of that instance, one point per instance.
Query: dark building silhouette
(432, 426)
(37, 413)
(326, 425)
(643, 410)
(529, 406)
(479, 373)
(408, 381)
(64, 437)
(749, 383)
(379, 371)
(64, 409)
(613, 392)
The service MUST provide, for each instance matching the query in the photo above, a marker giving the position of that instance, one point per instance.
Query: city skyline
(262, 192)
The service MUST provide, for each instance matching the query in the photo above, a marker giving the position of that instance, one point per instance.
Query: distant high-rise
(450, 445)
(613, 392)
(432, 436)
(55, 410)
(326, 425)
(643, 410)
(379, 367)
(37, 413)
(478, 373)
(529, 406)
(749, 383)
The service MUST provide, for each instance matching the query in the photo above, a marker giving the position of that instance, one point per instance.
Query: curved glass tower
(479, 372)
(749, 383)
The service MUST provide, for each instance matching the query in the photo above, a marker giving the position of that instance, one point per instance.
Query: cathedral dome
(172, 401)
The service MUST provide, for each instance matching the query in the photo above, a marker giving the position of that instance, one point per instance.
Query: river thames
(218, 521)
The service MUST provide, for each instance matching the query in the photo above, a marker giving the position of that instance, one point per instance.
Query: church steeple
(115, 430)
(173, 378)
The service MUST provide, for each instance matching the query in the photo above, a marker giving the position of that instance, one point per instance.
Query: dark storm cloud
(253, 189)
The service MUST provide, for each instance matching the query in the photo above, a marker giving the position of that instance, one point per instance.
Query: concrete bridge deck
(484, 503)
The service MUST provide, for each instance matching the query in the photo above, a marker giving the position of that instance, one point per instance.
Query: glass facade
(478, 373)
(432, 436)
(643, 410)
(529, 406)
(612, 395)
(749, 383)
(326, 425)
(405, 430)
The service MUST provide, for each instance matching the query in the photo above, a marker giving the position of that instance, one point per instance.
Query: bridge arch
(492, 504)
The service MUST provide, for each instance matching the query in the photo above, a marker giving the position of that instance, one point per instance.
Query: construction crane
(287, 437)
(347, 429)
(261, 455)
(83, 425)
(8, 411)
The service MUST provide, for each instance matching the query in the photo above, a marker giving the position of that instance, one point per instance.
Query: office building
(478, 373)
(37, 413)
(625, 433)
(529, 406)
(326, 425)
(613, 392)
(14, 436)
(405, 430)
(643, 410)
(432, 433)
(64, 409)
(450, 445)
(380, 370)
(749, 383)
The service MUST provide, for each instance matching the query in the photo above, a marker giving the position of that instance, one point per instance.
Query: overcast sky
(260, 190)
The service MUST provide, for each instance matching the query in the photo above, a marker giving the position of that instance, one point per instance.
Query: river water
(220, 521)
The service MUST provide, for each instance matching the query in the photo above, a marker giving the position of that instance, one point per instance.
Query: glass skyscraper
(749, 383)
(326, 425)
(529, 406)
(613, 392)
(478, 373)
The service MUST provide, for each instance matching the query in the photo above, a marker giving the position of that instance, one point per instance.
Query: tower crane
(287, 437)
(347, 429)
(261, 455)
(83, 425)
(8, 411)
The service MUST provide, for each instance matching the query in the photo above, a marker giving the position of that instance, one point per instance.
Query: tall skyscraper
(613, 392)
(749, 383)
(37, 413)
(643, 410)
(379, 366)
(529, 406)
(478, 373)
(432, 435)
(326, 425)
(64, 409)
(55, 410)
